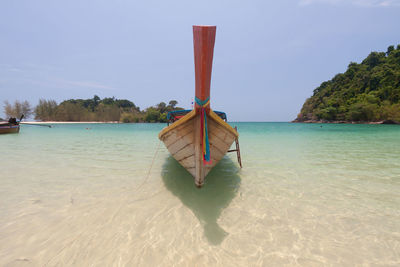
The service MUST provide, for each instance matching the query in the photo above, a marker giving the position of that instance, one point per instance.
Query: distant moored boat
(10, 126)
(198, 139)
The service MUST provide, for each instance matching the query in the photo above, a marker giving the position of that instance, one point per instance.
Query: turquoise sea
(111, 195)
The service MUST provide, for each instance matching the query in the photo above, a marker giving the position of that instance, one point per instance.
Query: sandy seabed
(306, 196)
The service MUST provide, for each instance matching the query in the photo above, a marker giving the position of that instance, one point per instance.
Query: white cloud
(361, 3)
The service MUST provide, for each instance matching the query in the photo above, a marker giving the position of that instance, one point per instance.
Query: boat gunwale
(193, 114)
(179, 122)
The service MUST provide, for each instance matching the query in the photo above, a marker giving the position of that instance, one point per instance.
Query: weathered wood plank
(184, 152)
(215, 151)
(181, 142)
(223, 146)
(216, 130)
(188, 162)
(215, 138)
(177, 133)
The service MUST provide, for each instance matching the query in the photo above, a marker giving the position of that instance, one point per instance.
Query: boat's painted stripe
(206, 142)
(221, 122)
(179, 122)
(202, 103)
(204, 132)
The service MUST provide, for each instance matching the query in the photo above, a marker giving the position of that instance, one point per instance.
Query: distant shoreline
(294, 121)
(69, 122)
(348, 122)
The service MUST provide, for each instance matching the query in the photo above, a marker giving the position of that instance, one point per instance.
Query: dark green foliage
(96, 109)
(173, 103)
(162, 107)
(152, 115)
(369, 91)
(389, 49)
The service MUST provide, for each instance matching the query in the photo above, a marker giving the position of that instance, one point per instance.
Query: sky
(269, 55)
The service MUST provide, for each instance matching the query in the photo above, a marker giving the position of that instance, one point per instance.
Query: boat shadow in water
(207, 203)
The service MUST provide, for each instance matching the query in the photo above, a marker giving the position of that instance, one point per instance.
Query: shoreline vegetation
(94, 110)
(348, 122)
(366, 93)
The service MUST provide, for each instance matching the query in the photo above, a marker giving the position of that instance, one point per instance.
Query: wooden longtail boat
(11, 126)
(199, 139)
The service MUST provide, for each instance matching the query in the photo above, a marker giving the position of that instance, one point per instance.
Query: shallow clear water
(308, 194)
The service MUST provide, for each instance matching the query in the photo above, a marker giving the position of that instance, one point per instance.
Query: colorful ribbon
(204, 130)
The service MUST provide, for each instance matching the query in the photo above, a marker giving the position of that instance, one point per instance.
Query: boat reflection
(207, 203)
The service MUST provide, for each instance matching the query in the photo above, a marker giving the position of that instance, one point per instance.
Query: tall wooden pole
(203, 42)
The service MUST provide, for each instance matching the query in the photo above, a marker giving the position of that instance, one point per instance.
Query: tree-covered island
(95, 109)
(366, 92)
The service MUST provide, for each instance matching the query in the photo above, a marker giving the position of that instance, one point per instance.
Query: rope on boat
(204, 130)
(151, 166)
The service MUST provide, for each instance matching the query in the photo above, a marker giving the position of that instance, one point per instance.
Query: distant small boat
(10, 126)
(198, 139)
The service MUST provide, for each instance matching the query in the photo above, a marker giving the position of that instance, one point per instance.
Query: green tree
(389, 49)
(46, 110)
(68, 111)
(107, 112)
(152, 115)
(362, 112)
(96, 99)
(173, 103)
(161, 107)
(364, 92)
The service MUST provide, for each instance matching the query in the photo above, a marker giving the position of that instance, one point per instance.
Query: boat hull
(5, 129)
(183, 141)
